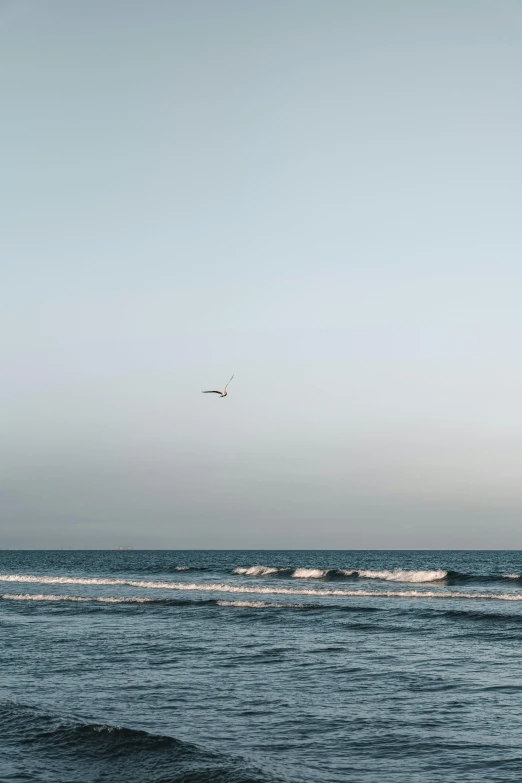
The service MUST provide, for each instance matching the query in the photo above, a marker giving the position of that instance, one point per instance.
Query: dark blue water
(150, 667)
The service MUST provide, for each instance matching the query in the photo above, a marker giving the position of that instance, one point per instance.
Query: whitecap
(257, 570)
(400, 575)
(309, 573)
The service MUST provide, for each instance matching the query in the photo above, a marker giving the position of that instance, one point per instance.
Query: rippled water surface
(150, 667)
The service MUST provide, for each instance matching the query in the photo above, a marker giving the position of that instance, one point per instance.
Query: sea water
(238, 666)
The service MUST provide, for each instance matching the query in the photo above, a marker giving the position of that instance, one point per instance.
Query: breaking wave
(413, 576)
(309, 573)
(398, 575)
(257, 571)
(405, 576)
(265, 590)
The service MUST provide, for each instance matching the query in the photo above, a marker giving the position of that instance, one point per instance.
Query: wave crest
(397, 575)
(400, 575)
(309, 573)
(268, 590)
(257, 570)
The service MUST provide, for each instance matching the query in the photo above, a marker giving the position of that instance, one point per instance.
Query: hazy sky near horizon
(322, 197)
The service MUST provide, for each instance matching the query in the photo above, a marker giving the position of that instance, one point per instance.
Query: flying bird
(221, 394)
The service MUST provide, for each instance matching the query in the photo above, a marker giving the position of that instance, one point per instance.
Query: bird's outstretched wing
(211, 391)
(226, 387)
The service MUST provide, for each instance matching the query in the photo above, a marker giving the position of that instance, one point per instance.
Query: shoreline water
(239, 666)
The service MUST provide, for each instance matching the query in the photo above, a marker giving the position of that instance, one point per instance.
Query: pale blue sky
(321, 197)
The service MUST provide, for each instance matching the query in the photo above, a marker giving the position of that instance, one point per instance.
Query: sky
(319, 196)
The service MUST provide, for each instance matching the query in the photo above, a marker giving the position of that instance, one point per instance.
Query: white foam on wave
(63, 580)
(309, 573)
(298, 573)
(397, 575)
(257, 570)
(182, 568)
(77, 598)
(511, 576)
(400, 575)
(224, 588)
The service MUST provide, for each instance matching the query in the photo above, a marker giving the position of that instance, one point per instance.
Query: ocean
(260, 666)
